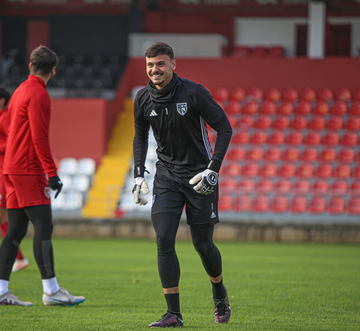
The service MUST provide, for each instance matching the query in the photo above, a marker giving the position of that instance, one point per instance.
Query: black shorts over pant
(171, 196)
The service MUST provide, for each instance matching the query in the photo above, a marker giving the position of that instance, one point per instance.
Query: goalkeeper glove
(140, 186)
(206, 181)
(55, 184)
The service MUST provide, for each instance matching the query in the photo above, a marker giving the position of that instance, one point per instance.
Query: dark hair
(4, 93)
(43, 59)
(159, 48)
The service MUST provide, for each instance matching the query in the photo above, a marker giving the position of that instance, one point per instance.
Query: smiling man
(186, 173)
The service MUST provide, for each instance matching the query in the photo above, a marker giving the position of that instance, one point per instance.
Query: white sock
(4, 286)
(50, 285)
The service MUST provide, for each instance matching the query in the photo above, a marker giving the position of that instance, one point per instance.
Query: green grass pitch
(271, 287)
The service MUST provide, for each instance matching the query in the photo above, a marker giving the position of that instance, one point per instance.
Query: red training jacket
(28, 148)
(4, 127)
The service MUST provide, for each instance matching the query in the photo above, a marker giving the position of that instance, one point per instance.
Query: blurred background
(285, 71)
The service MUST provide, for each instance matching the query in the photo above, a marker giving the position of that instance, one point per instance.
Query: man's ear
(173, 64)
(30, 66)
(2, 103)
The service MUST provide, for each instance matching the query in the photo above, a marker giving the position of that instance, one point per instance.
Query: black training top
(178, 114)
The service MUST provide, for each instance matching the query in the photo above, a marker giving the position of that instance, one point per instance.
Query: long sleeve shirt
(28, 148)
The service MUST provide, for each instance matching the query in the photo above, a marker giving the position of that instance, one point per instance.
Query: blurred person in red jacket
(21, 262)
(30, 173)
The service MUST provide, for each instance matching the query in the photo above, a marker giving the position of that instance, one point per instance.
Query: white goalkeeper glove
(206, 181)
(140, 186)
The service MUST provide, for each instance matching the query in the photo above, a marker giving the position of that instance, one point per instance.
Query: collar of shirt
(37, 79)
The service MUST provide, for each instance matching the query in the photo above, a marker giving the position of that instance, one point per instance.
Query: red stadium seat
(301, 186)
(321, 108)
(233, 107)
(268, 108)
(317, 205)
(242, 203)
(276, 51)
(309, 154)
(291, 154)
(317, 122)
(286, 108)
(220, 103)
(246, 185)
(356, 94)
(246, 121)
(303, 108)
(343, 94)
(268, 169)
(324, 170)
(331, 138)
(279, 204)
(305, 170)
(325, 94)
(231, 169)
(320, 186)
(263, 122)
(343, 171)
(339, 108)
(290, 94)
(339, 187)
(255, 154)
(287, 169)
(346, 155)
(233, 120)
(353, 123)
(273, 94)
(336, 205)
(299, 122)
(308, 94)
(256, 93)
(236, 153)
(335, 123)
(356, 171)
(260, 203)
(237, 94)
(259, 137)
(295, 138)
(277, 137)
(259, 51)
(241, 51)
(264, 185)
(227, 184)
(212, 136)
(221, 94)
(328, 154)
(349, 138)
(273, 154)
(241, 137)
(355, 108)
(298, 204)
(313, 138)
(283, 185)
(225, 203)
(281, 122)
(251, 108)
(355, 187)
(353, 206)
(250, 169)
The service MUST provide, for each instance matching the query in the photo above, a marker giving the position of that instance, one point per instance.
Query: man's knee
(165, 244)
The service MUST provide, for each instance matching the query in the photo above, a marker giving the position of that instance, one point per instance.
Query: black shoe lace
(220, 308)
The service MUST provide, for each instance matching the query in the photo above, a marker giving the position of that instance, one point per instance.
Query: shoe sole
(64, 305)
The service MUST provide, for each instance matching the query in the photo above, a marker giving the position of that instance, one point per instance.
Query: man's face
(160, 70)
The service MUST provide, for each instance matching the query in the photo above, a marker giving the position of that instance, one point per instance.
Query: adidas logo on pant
(153, 113)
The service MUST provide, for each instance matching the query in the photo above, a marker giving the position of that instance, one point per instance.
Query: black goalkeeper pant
(166, 226)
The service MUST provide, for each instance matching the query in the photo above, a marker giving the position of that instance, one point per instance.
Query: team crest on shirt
(181, 108)
(47, 192)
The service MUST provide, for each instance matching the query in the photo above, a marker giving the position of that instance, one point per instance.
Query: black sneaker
(222, 310)
(168, 320)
